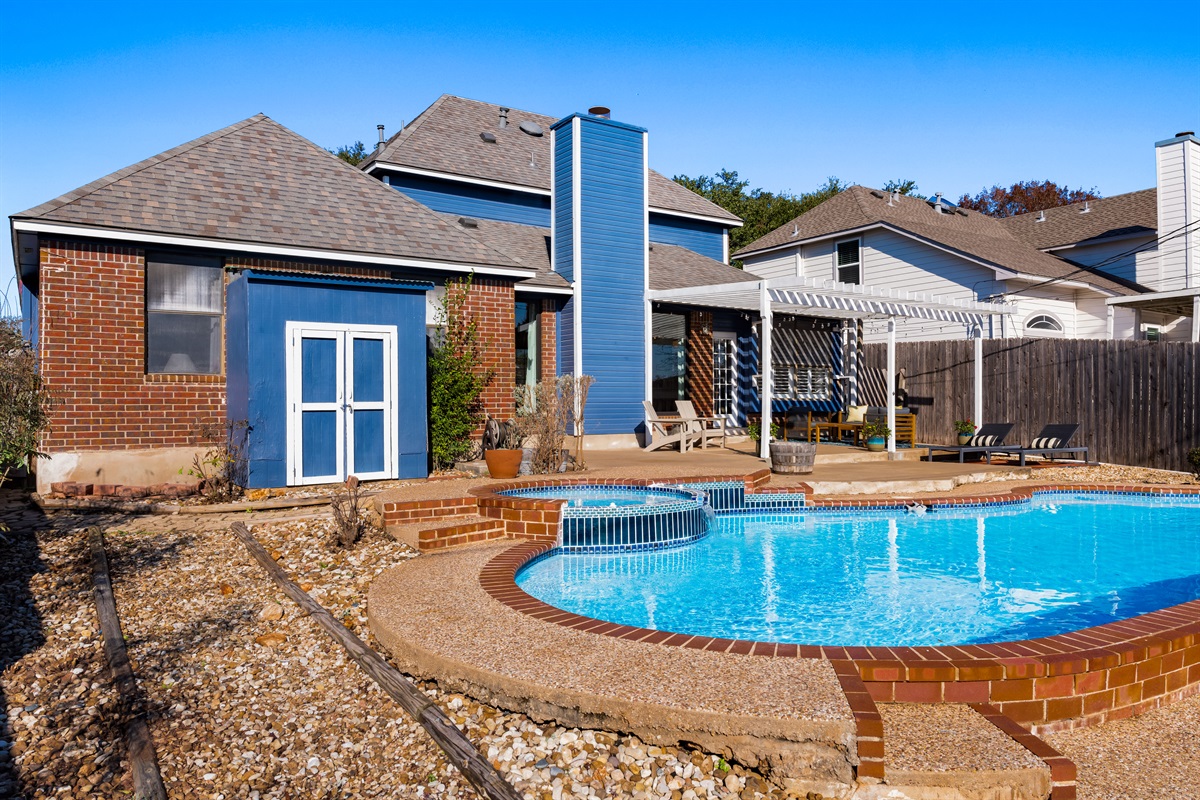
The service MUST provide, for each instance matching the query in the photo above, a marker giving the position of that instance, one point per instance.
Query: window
(1043, 324)
(724, 375)
(849, 265)
(812, 382)
(527, 343)
(184, 299)
(669, 352)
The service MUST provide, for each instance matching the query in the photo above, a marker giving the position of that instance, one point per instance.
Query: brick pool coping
(1075, 679)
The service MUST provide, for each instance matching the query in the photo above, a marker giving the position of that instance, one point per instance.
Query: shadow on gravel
(20, 625)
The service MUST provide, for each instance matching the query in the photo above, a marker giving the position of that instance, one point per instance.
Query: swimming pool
(1057, 563)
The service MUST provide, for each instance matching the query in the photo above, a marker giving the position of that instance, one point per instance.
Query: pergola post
(978, 411)
(1196, 318)
(891, 385)
(764, 370)
(1112, 311)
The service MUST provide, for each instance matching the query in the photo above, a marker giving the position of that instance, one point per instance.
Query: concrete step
(954, 751)
(848, 454)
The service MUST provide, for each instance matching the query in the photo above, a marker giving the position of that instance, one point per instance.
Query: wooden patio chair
(987, 440)
(664, 431)
(698, 424)
(1054, 439)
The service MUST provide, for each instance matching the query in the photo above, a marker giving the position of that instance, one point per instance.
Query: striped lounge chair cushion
(1045, 443)
(982, 441)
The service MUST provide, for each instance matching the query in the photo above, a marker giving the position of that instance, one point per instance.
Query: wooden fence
(1137, 403)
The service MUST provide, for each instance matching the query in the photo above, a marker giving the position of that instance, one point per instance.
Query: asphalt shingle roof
(445, 138)
(256, 181)
(671, 267)
(974, 235)
(1119, 215)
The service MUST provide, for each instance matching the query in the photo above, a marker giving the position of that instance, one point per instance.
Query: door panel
(318, 370)
(368, 370)
(319, 431)
(369, 456)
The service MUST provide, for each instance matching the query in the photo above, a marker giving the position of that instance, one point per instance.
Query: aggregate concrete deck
(788, 717)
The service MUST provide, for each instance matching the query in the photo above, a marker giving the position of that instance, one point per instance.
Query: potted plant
(754, 430)
(876, 433)
(965, 429)
(502, 448)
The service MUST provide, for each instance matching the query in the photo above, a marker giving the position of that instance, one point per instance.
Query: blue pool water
(1054, 565)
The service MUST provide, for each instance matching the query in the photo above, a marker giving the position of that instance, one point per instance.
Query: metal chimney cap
(600, 111)
(1186, 133)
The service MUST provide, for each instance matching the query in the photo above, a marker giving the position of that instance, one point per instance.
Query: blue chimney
(600, 234)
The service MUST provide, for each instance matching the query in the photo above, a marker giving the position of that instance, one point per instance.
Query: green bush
(25, 400)
(455, 380)
(1193, 458)
(754, 430)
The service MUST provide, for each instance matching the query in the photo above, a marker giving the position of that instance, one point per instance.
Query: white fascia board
(701, 217)
(1069, 284)
(701, 292)
(1138, 298)
(448, 176)
(564, 290)
(264, 249)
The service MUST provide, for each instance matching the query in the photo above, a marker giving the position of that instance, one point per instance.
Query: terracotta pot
(503, 463)
(876, 444)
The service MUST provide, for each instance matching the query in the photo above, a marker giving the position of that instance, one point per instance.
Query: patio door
(724, 378)
(340, 398)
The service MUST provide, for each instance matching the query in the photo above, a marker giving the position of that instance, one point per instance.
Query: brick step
(970, 752)
(405, 512)
(453, 532)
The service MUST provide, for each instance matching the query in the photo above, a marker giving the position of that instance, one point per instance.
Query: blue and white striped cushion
(1045, 443)
(981, 441)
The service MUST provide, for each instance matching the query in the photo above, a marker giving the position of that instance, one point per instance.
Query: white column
(1196, 318)
(764, 369)
(978, 418)
(891, 384)
(1137, 324)
(1112, 312)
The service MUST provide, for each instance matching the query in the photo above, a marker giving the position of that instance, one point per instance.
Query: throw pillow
(856, 413)
(1045, 443)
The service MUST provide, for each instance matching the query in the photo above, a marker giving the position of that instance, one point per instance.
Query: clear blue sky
(957, 96)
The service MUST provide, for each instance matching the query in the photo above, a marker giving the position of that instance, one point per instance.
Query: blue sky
(957, 96)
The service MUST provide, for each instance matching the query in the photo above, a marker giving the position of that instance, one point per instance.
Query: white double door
(341, 385)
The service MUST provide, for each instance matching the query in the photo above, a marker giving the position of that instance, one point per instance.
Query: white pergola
(813, 298)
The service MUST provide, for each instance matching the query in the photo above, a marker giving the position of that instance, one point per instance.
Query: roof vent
(960, 211)
(1041, 217)
(381, 139)
(532, 128)
(600, 111)
(468, 222)
(1087, 208)
(490, 138)
(795, 229)
(877, 193)
(503, 117)
(937, 204)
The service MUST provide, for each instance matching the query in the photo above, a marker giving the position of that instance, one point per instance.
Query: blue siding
(705, 238)
(258, 308)
(564, 200)
(613, 242)
(566, 338)
(485, 202)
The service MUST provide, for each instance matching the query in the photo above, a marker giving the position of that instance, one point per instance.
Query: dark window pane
(669, 377)
(183, 343)
(183, 287)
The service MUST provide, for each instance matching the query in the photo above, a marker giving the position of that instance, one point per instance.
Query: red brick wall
(493, 303)
(92, 350)
(547, 332)
(699, 361)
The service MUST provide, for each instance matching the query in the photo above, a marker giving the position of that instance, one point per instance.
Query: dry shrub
(544, 413)
(348, 519)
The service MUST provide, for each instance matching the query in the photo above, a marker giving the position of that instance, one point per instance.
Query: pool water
(1056, 564)
(603, 496)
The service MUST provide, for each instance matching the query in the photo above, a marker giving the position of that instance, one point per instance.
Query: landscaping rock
(271, 612)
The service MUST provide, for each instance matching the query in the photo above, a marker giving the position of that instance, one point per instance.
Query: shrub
(876, 428)
(348, 519)
(223, 469)
(754, 430)
(25, 401)
(455, 380)
(964, 426)
(1193, 458)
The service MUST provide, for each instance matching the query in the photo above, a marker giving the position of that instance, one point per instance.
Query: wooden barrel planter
(793, 458)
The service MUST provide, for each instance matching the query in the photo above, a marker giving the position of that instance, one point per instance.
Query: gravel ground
(1155, 756)
(943, 738)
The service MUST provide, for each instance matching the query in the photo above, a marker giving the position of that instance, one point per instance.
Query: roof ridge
(146, 163)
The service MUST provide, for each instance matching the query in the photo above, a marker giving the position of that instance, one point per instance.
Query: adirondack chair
(662, 432)
(698, 424)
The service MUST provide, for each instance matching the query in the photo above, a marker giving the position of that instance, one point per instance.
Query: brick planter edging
(1075, 679)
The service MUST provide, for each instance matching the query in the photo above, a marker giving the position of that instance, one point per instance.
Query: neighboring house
(1121, 267)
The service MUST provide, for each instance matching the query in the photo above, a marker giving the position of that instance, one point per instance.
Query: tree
(25, 400)
(906, 187)
(1025, 196)
(455, 381)
(353, 154)
(760, 210)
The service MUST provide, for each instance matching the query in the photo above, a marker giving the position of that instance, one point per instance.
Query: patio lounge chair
(662, 432)
(1053, 440)
(687, 412)
(987, 440)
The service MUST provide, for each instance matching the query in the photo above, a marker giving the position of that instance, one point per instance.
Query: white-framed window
(724, 375)
(184, 306)
(802, 381)
(1042, 324)
(849, 261)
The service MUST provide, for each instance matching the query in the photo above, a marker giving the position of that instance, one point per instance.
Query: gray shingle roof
(671, 267)
(445, 138)
(975, 235)
(258, 182)
(1119, 215)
